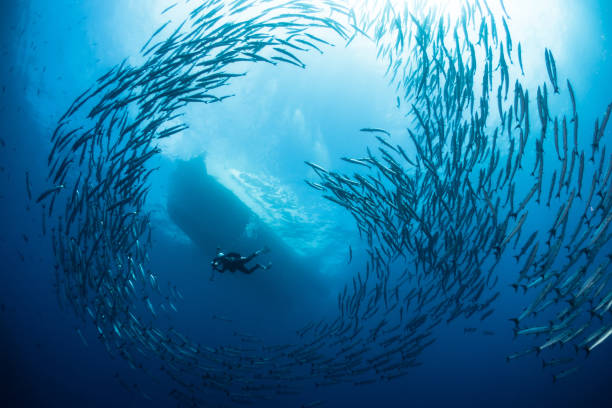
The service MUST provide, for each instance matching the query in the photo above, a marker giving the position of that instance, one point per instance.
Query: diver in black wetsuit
(233, 262)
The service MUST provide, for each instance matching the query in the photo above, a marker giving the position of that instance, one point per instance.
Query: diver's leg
(264, 267)
(258, 252)
(254, 268)
(264, 250)
(244, 269)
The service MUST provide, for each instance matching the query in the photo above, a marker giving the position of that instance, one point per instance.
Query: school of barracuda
(438, 215)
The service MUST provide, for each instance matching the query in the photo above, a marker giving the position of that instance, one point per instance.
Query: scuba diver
(233, 262)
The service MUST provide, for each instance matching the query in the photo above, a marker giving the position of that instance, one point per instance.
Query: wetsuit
(233, 262)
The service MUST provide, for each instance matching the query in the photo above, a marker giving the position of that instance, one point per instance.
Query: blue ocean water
(235, 179)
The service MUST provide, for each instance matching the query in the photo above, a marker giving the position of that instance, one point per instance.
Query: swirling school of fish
(438, 215)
